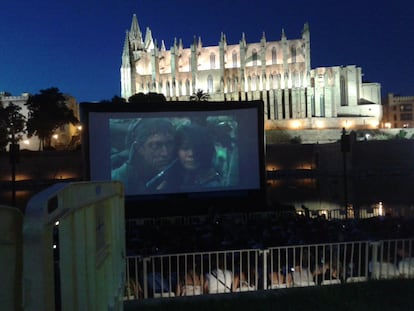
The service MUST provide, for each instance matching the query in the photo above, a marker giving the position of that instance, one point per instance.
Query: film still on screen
(181, 148)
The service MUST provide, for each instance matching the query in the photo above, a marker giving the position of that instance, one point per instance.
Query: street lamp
(14, 149)
(345, 148)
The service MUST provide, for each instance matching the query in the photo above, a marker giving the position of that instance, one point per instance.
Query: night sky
(76, 45)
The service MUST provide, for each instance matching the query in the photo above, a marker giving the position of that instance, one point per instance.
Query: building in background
(295, 95)
(65, 137)
(398, 111)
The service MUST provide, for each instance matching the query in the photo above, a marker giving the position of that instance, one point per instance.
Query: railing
(278, 267)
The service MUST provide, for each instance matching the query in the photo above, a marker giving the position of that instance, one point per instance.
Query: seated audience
(191, 283)
(244, 280)
(327, 273)
(219, 280)
(279, 280)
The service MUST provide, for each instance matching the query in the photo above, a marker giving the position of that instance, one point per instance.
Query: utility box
(74, 248)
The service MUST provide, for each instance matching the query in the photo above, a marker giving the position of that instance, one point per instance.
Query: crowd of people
(223, 232)
(224, 255)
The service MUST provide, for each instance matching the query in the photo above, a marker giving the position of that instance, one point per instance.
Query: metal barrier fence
(191, 274)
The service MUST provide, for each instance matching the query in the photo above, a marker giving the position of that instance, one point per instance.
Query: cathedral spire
(283, 34)
(149, 41)
(263, 40)
(163, 49)
(135, 35)
(125, 52)
(243, 40)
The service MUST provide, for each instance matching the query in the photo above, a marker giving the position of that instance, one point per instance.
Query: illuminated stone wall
(278, 72)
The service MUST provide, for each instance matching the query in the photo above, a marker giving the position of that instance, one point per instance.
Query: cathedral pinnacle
(135, 35)
(125, 52)
(283, 34)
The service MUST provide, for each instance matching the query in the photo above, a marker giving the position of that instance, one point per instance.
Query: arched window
(254, 57)
(322, 105)
(296, 82)
(313, 108)
(293, 54)
(254, 83)
(234, 57)
(210, 84)
(274, 81)
(212, 61)
(180, 88)
(274, 56)
(187, 87)
(343, 92)
(168, 90)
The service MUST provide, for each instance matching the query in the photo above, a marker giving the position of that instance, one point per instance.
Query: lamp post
(345, 148)
(14, 158)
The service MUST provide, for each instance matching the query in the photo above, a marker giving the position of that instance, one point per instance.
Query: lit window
(234, 56)
(293, 53)
(212, 61)
(254, 57)
(210, 84)
(274, 56)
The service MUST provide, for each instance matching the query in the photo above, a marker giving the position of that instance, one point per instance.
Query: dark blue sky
(76, 45)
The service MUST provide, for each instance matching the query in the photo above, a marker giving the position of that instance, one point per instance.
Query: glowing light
(55, 136)
(374, 123)
(272, 167)
(380, 209)
(79, 127)
(387, 125)
(347, 124)
(26, 142)
(57, 223)
(320, 124)
(295, 124)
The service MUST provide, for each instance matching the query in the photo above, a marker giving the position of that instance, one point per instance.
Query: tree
(12, 124)
(47, 112)
(115, 100)
(149, 98)
(200, 96)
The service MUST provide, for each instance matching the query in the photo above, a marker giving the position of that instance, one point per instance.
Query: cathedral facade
(295, 95)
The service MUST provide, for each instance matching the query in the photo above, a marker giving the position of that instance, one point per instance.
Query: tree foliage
(199, 95)
(47, 112)
(149, 98)
(115, 100)
(12, 124)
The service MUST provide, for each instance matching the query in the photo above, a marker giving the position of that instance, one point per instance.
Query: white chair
(164, 295)
(302, 277)
(191, 290)
(355, 279)
(331, 282)
(384, 270)
(406, 267)
(277, 286)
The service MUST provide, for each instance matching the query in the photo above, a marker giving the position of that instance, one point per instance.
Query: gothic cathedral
(295, 95)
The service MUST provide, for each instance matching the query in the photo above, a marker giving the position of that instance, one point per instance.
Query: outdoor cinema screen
(176, 149)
